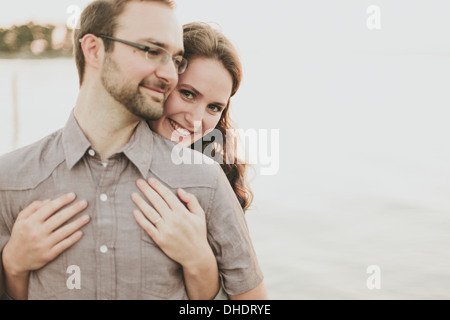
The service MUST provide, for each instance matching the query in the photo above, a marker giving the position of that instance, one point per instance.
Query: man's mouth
(179, 129)
(155, 93)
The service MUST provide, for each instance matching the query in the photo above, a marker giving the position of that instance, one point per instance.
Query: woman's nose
(194, 117)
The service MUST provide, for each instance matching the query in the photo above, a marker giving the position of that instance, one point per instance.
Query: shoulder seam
(36, 184)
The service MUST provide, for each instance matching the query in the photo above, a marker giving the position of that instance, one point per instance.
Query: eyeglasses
(155, 54)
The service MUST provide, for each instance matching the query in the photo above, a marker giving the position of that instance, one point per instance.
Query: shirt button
(103, 197)
(103, 249)
(91, 152)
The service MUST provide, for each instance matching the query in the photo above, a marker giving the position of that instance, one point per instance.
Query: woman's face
(195, 106)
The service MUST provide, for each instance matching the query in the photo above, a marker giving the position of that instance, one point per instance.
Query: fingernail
(152, 180)
(183, 192)
(85, 218)
(83, 204)
(71, 195)
(140, 182)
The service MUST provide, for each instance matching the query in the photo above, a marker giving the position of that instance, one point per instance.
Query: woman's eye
(177, 61)
(187, 94)
(214, 108)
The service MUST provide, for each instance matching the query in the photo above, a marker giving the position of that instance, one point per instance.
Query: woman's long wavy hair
(202, 40)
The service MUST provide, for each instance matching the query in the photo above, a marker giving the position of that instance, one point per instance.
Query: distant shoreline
(26, 56)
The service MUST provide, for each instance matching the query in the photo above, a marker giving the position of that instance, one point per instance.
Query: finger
(67, 230)
(151, 214)
(53, 206)
(191, 202)
(155, 199)
(65, 244)
(32, 208)
(166, 194)
(59, 218)
(148, 227)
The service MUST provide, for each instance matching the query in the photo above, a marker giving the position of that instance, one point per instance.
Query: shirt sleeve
(6, 222)
(230, 240)
(2, 282)
(4, 236)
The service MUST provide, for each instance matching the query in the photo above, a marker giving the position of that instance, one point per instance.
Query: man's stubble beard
(129, 95)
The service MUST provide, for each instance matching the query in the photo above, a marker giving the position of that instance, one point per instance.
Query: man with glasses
(128, 55)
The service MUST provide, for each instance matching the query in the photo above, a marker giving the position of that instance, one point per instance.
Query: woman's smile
(182, 131)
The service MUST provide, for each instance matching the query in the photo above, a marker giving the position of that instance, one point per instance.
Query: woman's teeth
(183, 132)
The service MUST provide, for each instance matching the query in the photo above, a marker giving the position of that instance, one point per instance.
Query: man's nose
(168, 73)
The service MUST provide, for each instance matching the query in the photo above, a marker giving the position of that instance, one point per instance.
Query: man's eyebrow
(160, 44)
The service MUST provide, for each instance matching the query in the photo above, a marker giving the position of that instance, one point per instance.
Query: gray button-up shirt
(116, 259)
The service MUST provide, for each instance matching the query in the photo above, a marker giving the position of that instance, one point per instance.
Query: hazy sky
(22, 11)
(409, 24)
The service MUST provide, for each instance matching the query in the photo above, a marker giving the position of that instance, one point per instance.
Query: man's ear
(93, 51)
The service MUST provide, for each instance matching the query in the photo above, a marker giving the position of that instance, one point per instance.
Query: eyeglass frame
(147, 49)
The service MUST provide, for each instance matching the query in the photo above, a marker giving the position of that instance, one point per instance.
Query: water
(364, 179)
(364, 173)
(47, 92)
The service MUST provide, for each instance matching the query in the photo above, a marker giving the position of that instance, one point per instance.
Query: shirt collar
(74, 142)
(138, 150)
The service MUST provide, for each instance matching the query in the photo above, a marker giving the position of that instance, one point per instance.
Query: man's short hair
(100, 18)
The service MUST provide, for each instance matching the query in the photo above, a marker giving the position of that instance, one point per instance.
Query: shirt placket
(106, 273)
